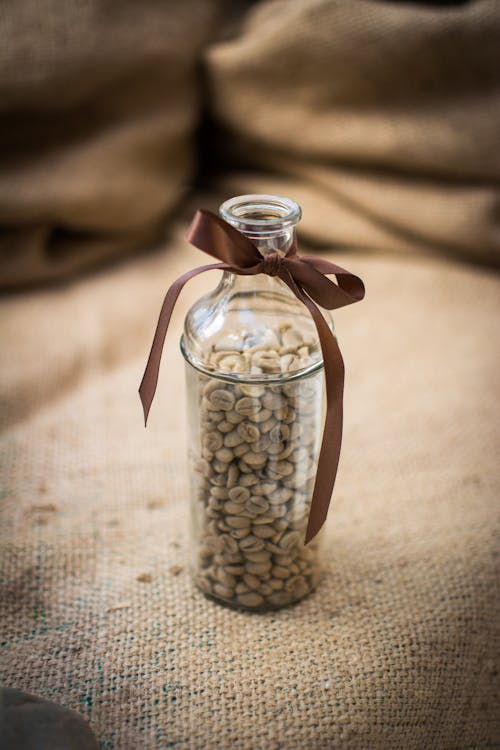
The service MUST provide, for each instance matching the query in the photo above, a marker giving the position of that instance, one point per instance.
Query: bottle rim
(261, 214)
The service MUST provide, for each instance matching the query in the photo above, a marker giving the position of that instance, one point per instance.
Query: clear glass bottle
(255, 395)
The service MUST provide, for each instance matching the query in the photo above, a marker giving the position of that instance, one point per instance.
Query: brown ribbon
(305, 276)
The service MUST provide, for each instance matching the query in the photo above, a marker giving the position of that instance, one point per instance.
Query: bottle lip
(261, 215)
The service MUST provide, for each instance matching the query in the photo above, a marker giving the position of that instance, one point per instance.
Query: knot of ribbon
(306, 277)
(271, 264)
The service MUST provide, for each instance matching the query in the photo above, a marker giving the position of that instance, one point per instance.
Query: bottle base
(254, 602)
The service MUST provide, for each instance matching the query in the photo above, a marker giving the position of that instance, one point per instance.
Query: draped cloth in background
(381, 119)
(99, 104)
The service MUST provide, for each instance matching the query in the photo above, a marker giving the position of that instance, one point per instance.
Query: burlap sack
(398, 648)
(382, 119)
(98, 107)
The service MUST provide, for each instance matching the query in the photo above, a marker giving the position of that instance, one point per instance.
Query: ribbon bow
(306, 278)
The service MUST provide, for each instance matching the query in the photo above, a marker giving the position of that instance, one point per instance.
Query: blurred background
(381, 118)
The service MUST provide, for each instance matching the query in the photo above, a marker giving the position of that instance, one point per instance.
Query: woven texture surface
(383, 123)
(395, 649)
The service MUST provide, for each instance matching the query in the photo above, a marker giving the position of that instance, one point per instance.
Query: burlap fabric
(99, 104)
(382, 121)
(381, 118)
(397, 648)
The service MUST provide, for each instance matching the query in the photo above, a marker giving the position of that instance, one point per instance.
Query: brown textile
(99, 103)
(382, 119)
(399, 646)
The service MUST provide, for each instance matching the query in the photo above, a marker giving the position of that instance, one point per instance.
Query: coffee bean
(222, 399)
(232, 439)
(279, 433)
(219, 492)
(250, 600)
(233, 417)
(240, 450)
(262, 520)
(295, 583)
(264, 488)
(224, 455)
(212, 441)
(218, 480)
(274, 449)
(281, 495)
(292, 338)
(254, 459)
(263, 532)
(279, 572)
(279, 598)
(227, 579)
(252, 544)
(262, 556)
(260, 416)
(261, 445)
(237, 522)
(248, 406)
(239, 533)
(248, 432)
(254, 391)
(249, 481)
(251, 581)
(233, 508)
(287, 451)
(283, 560)
(267, 425)
(223, 591)
(276, 584)
(232, 476)
(274, 401)
(235, 570)
(268, 361)
(281, 524)
(257, 504)
(290, 540)
(230, 363)
(239, 494)
(265, 589)
(259, 568)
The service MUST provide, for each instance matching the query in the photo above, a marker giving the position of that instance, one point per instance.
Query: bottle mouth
(259, 215)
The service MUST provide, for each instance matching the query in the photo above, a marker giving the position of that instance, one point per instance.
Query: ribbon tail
(329, 454)
(147, 389)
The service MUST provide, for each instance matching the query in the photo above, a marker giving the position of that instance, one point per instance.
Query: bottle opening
(261, 215)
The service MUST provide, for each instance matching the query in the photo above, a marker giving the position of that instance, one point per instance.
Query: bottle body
(255, 393)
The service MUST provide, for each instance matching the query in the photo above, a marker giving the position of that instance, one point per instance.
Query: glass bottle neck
(276, 243)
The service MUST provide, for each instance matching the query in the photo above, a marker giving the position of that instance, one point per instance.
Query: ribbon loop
(305, 277)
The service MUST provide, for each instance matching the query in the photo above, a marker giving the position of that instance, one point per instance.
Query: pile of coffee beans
(255, 471)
